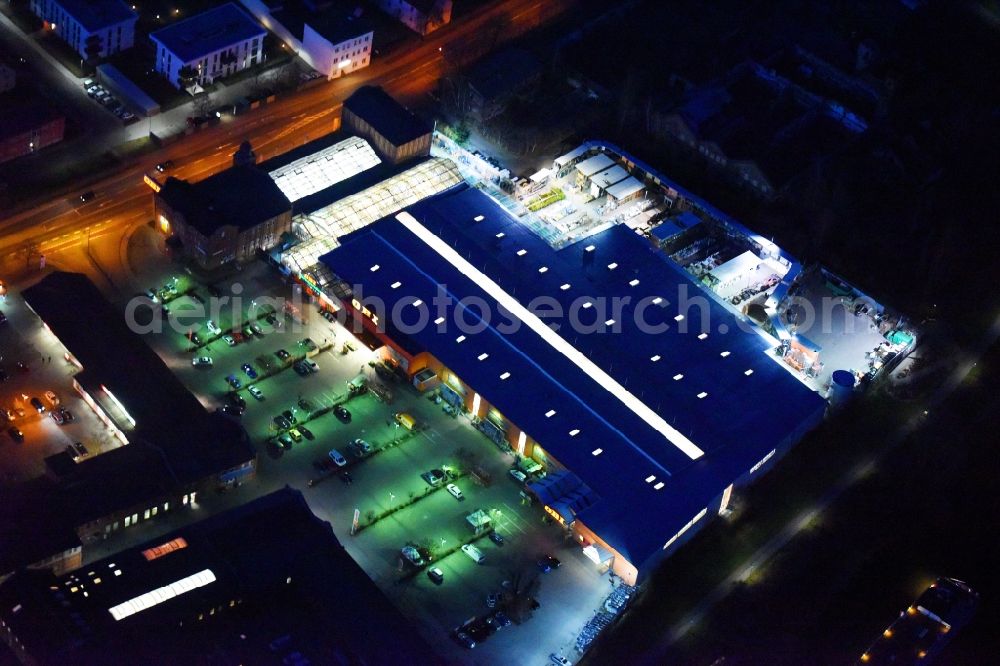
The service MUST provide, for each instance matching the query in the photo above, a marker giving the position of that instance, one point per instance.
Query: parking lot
(388, 478)
(32, 363)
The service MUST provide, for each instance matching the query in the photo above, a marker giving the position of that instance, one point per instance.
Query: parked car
(282, 354)
(234, 381)
(337, 458)
(80, 448)
(306, 405)
(496, 538)
(37, 404)
(52, 398)
(62, 416)
(361, 448)
(251, 373)
(518, 475)
(558, 659)
(464, 639)
(436, 575)
(229, 340)
(307, 433)
(282, 422)
(213, 327)
(433, 477)
(15, 434)
(412, 555)
(474, 553)
(238, 400)
(256, 392)
(164, 166)
(295, 435)
(202, 362)
(455, 492)
(342, 414)
(87, 196)
(285, 441)
(288, 414)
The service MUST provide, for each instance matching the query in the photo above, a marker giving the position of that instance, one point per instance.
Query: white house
(106, 24)
(215, 43)
(423, 16)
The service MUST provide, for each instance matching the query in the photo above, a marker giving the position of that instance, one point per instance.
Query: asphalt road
(123, 201)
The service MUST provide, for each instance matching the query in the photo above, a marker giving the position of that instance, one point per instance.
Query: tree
(202, 103)
(92, 47)
(523, 588)
(187, 76)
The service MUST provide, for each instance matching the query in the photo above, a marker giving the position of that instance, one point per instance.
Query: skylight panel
(543, 269)
(702, 336)
(483, 356)
(633, 283)
(702, 395)
(574, 432)
(612, 266)
(417, 303)
(589, 248)
(678, 377)
(549, 414)
(587, 305)
(679, 317)
(597, 452)
(658, 486)
(564, 287)
(654, 358)
(396, 285)
(657, 300)
(460, 339)
(650, 478)
(724, 354)
(505, 375)
(479, 218)
(500, 235)
(375, 268)
(748, 372)
(522, 252)
(439, 321)
(609, 322)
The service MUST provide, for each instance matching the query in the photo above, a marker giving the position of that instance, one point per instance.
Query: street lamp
(391, 499)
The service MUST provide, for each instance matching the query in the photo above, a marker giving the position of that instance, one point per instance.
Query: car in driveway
(15, 434)
(337, 458)
(433, 477)
(202, 362)
(455, 492)
(256, 392)
(547, 563)
(342, 414)
(248, 369)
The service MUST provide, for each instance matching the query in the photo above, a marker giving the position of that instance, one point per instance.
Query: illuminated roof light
(654, 358)
(657, 300)
(702, 395)
(161, 594)
(724, 354)
(396, 285)
(612, 266)
(479, 218)
(748, 372)
(679, 318)
(702, 336)
(439, 321)
(552, 338)
(522, 252)
(633, 283)
(574, 432)
(678, 377)
(650, 478)
(549, 414)
(610, 322)
(505, 375)
(543, 269)
(501, 234)
(597, 452)
(375, 268)
(589, 248)
(588, 305)
(417, 303)
(483, 356)
(564, 287)
(460, 339)
(658, 485)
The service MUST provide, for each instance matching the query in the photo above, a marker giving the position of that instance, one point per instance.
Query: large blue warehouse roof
(622, 410)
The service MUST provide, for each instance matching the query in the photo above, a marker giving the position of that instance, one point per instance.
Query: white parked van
(473, 552)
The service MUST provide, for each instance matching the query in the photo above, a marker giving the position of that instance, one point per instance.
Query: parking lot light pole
(391, 499)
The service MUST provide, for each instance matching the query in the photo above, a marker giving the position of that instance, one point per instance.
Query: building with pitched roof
(107, 24)
(645, 411)
(397, 133)
(214, 44)
(420, 16)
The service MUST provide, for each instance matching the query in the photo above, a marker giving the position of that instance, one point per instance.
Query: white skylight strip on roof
(543, 269)
(650, 478)
(161, 594)
(549, 414)
(657, 300)
(564, 287)
(702, 336)
(597, 452)
(634, 282)
(479, 218)
(574, 432)
(654, 358)
(460, 338)
(505, 375)
(439, 321)
(658, 486)
(320, 170)
(702, 395)
(612, 266)
(678, 377)
(554, 340)
(522, 252)
(396, 285)
(748, 372)
(724, 354)
(483, 356)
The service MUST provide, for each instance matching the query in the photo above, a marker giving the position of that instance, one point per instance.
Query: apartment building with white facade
(107, 23)
(215, 44)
